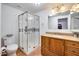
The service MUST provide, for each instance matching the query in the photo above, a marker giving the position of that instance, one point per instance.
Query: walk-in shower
(28, 32)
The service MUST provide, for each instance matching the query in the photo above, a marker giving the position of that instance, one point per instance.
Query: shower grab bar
(31, 29)
(26, 30)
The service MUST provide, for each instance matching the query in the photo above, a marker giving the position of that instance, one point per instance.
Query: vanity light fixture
(53, 12)
(55, 9)
(75, 8)
(63, 8)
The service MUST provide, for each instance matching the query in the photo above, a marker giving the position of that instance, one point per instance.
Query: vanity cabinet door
(71, 48)
(44, 45)
(56, 46)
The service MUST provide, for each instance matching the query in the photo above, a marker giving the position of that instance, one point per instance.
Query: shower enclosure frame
(27, 32)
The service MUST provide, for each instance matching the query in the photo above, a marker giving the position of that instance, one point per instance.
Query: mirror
(59, 21)
(75, 21)
(65, 21)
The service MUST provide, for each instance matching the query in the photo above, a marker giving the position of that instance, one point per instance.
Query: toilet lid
(12, 47)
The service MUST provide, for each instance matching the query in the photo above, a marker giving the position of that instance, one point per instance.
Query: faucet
(76, 34)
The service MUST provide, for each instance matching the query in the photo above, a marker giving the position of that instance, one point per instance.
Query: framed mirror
(75, 21)
(59, 21)
(64, 21)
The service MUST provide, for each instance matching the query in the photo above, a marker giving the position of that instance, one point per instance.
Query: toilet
(11, 49)
(11, 46)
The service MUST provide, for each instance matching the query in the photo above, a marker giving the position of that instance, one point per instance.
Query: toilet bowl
(10, 42)
(11, 49)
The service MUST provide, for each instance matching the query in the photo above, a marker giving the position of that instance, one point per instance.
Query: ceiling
(31, 7)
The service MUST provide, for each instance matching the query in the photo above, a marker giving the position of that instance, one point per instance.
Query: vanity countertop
(61, 33)
(62, 37)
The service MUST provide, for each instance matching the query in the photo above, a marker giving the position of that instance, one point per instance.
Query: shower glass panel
(29, 35)
(24, 34)
(20, 31)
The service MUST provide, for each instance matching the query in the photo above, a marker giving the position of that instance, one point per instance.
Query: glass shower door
(20, 23)
(25, 18)
(36, 32)
(33, 33)
(30, 32)
(22, 32)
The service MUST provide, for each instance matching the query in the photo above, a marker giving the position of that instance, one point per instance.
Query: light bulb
(75, 8)
(63, 8)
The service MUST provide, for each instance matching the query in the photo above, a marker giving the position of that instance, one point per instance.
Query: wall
(52, 23)
(0, 28)
(9, 23)
(44, 22)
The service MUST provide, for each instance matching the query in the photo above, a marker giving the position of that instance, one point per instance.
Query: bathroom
(24, 24)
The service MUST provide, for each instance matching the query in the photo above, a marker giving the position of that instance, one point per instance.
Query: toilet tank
(10, 39)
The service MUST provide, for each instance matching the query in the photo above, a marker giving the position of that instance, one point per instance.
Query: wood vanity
(59, 45)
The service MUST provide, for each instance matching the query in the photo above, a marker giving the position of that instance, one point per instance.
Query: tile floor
(36, 52)
(20, 53)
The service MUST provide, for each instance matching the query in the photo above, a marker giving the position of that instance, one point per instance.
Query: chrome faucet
(76, 34)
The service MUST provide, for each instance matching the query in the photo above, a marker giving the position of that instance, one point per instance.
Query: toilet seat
(12, 47)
